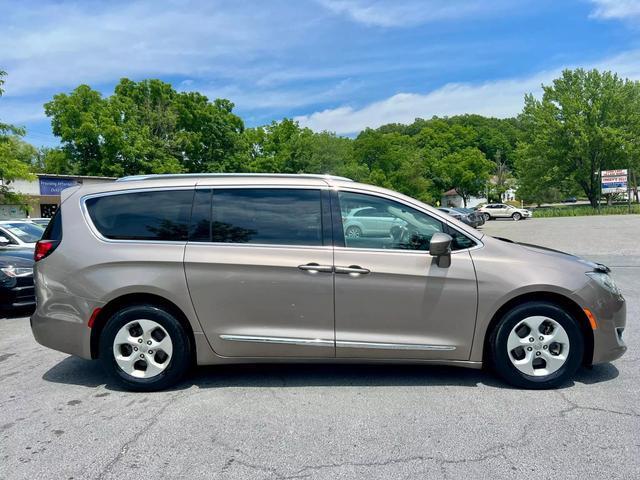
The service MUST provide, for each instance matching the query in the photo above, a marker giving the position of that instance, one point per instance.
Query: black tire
(179, 362)
(517, 216)
(500, 356)
(487, 217)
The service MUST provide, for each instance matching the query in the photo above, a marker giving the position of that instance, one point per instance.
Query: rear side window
(267, 216)
(54, 227)
(153, 215)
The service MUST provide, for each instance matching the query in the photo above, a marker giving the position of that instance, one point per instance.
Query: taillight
(44, 248)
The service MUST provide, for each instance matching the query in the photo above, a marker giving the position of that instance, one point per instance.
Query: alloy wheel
(538, 346)
(142, 348)
(353, 232)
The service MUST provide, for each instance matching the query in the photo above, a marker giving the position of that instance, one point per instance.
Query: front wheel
(537, 345)
(487, 217)
(516, 216)
(145, 348)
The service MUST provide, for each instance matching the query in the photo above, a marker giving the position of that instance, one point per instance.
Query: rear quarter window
(159, 215)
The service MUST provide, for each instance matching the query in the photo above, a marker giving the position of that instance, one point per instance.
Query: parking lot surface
(59, 420)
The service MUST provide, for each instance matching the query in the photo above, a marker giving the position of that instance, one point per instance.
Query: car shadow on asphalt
(76, 371)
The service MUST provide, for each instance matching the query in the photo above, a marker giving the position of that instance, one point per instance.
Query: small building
(452, 199)
(43, 194)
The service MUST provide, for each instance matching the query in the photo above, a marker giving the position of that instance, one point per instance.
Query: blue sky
(338, 65)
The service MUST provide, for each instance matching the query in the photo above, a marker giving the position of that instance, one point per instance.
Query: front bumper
(608, 342)
(17, 294)
(610, 312)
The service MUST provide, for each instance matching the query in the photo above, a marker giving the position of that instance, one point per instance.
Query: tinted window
(401, 227)
(200, 228)
(152, 215)
(54, 227)
(405, 229)
(267, 215)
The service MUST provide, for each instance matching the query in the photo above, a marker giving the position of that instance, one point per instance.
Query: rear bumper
(61, 324)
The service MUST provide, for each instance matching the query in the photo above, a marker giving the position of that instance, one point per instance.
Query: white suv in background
(502, 210)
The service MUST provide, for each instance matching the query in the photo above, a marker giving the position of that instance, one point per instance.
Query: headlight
(605, 281)
(17, 272)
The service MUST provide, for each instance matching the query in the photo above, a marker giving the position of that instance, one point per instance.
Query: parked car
(502, 210)
(43, 222)
(479, 217)
(369, 221)
(569, 200)
(152, 274)
(470, 218)
(19, 234)
(16, 281)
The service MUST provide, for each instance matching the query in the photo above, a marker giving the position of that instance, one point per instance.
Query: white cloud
(500, 98)
(616, 9)
(64, 44)
(406, 13)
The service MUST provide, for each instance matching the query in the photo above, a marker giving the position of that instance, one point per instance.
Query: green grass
(581, 210)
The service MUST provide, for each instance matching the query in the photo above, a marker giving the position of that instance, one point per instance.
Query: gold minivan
(153, 274)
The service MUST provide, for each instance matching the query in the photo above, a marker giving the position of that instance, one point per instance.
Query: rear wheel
(537, 345)
(145, 348)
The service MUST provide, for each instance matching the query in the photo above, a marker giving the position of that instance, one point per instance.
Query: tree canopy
(585, 121)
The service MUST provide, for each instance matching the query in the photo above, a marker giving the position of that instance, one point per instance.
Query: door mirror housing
(440, 247)
(4, 241)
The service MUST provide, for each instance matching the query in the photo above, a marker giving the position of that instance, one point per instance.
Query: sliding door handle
(315, 268)
(353, 270)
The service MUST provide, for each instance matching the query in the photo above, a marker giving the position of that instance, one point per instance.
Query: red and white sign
(614, 181)
(615, 173)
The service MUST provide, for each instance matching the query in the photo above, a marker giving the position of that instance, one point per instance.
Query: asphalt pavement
(58, 419)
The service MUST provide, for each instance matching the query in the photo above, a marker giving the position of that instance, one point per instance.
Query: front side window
(276, 216)
(395, 226)
(149, 215)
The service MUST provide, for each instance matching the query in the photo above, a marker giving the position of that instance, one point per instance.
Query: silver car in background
(19, 233)
(151, 275)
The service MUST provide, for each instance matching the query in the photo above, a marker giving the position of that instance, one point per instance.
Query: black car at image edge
(16, 281)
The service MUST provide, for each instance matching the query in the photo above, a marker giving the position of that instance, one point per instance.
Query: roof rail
(132, 178)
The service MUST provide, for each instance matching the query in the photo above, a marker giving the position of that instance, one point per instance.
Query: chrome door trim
(311, 342)
(393, 346)
(352, 270)
(315, 268)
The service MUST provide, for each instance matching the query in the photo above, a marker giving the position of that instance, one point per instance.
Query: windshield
(26, 232)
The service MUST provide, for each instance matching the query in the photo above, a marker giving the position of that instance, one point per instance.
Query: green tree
(585, 122)
(145, 127)
(467, 171)
(16, 156)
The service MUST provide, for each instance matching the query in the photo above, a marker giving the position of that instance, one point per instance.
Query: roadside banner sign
(614, 181)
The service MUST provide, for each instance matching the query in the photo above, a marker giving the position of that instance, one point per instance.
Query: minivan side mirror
(440, 247)
(4, 241)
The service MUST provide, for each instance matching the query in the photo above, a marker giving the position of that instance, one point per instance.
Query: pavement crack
(125, 447)
(573, 405)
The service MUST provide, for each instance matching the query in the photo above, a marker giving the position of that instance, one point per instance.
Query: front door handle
(353, 270)
(315, 268)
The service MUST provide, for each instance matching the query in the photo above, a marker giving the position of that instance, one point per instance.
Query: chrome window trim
(262, 245)
(99, 236)
(479, 244)
(393, 346)
(261, 186)
(311, 342)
